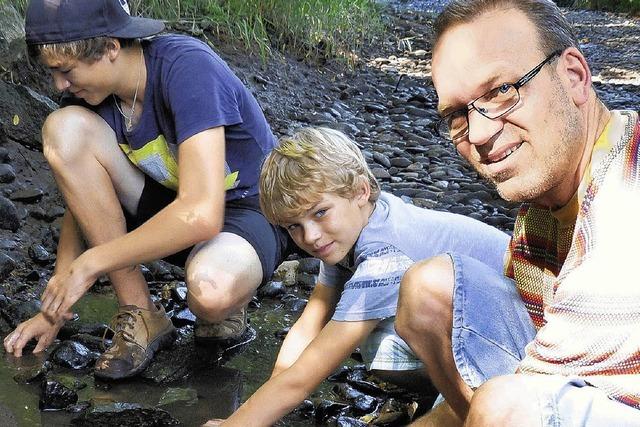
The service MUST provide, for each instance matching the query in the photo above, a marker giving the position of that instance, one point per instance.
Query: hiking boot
(229, 329)
(138, 334)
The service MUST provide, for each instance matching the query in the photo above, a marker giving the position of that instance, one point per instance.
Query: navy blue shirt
(190, 89)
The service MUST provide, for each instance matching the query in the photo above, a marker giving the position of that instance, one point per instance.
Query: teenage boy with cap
(157, 154)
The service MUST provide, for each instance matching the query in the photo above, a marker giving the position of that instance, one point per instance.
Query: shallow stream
(212, 392)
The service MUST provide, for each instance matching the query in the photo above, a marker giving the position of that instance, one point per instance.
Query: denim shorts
(491, 328)
(384, 350)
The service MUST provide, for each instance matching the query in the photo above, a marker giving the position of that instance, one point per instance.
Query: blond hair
(307, 164)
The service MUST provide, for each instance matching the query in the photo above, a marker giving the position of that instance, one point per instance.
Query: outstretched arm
(283, 392)
(315, 316)
(194, 216)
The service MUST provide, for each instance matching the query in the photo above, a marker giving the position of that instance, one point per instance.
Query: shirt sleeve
(372, 291)
(201, 93)
(333, 276)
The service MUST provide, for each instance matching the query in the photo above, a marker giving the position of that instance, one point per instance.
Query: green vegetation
(313, 28)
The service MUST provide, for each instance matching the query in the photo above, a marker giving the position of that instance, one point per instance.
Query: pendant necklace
(129, 117)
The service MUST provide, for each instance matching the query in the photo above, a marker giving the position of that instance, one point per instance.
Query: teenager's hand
(64, 289)
(38, 327)
(213, 423)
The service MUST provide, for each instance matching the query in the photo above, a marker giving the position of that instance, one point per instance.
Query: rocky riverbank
(386, 103)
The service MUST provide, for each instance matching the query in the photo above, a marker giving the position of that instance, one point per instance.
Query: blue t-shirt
(190, 89)
(397, 235)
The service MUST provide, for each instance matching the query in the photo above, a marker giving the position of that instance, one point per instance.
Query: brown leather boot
(138, 334)
(229, 329)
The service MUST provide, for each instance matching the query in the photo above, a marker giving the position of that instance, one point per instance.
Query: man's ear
(575, 69)
(113, 49)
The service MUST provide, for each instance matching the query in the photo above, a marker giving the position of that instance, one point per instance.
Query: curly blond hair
(307, 164)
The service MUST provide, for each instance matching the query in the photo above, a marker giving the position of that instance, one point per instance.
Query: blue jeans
(491, 328)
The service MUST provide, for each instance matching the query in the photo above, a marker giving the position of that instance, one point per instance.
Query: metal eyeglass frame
(442, 126)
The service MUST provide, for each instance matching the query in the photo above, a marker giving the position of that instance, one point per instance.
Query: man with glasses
(556, 340)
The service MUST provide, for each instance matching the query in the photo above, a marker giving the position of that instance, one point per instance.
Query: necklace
(129, 117)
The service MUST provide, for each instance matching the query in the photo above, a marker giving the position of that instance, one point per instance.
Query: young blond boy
(317, 185)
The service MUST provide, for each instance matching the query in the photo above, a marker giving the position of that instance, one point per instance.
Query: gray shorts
(491, 328)
(384, 350)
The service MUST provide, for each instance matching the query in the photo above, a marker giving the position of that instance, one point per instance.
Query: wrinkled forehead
(469, 57)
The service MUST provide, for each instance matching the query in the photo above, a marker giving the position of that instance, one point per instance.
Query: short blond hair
(307, 164)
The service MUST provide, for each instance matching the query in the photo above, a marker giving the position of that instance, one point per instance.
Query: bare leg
(505, 401)
(424, 320)
(222, 276)
(96, 179)
(440, 416)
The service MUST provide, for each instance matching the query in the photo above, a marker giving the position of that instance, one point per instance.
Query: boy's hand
(213, 423)
(65, 289)
(37, 327)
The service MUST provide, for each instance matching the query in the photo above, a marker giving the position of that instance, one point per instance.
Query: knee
(425, 298)
(503, 401)
(66, 134)
(209, 294)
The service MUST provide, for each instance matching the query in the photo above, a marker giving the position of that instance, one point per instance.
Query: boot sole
(160, 342)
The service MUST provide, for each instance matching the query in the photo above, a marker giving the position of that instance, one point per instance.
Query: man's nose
(60, 82)
(481, 128)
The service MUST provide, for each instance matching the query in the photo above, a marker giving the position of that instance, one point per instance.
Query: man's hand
(213, 423)
(37, 327)
(65, 289)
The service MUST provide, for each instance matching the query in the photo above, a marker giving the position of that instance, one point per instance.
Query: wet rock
(184, 396)
(33, 373)
(8, 244)
(308, 281)
(124, 415)
(27, 195)
(7, 265)
(74, 355)
(344, 421)
(78, 328)
(287, 272)
(362, 402)
(78, 407)
(183, 317)
(18, 311)
(180, 292)
(39, 254)
(33, 276)
(9, 218)
(93, 343)
(272, 289)
(293, 303)
(56, 396)
(309, 265)
(7, 174)
(328, 408)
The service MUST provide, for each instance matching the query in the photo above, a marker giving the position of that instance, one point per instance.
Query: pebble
(9, 218)
(7, 174)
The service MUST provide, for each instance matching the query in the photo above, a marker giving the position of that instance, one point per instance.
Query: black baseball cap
(59, 21)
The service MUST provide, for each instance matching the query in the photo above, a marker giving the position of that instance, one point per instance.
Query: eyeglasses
(495, 103)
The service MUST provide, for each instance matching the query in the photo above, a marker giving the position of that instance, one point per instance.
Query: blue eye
(320, 213)
(504, 88)
(291, 227)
